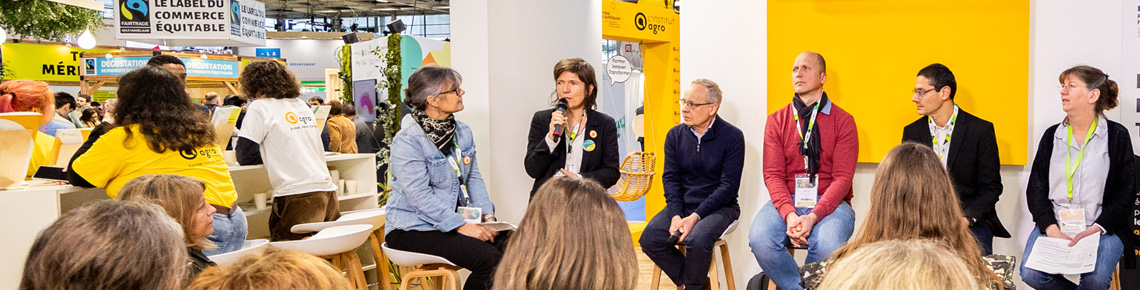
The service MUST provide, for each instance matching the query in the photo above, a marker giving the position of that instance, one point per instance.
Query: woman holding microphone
(573, 138)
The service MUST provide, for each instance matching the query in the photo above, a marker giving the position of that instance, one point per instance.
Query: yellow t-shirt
(110, 163)
(41, 152)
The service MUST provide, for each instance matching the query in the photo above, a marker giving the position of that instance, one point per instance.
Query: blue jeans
(229, 232)
(1107, 256)
(690, 269)
(769, 241)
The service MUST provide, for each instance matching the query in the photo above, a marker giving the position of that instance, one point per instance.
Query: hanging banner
(194, 66)
(192, 22)
(1129, 84)
(49, 63)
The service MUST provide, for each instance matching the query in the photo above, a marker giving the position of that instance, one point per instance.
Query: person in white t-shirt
(280, 131)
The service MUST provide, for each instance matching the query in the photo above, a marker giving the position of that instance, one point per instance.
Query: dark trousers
(290, 210)
(985, 236)
(691, 268)
(470, 253)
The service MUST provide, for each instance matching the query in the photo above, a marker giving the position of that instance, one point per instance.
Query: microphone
(674, 238)
(561, 107)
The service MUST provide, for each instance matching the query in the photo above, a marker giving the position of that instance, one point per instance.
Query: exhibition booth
(1006, 57)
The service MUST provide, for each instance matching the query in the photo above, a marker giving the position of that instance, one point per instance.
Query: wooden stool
(373, 217)
(791, 250)
(338, 244)
(714, 283)
(425, 266)
(350, 263)
(1115, 284)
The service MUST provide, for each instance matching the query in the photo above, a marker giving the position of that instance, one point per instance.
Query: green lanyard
(1071, 169)
(811, 125)
(945, 148)
(574, 134)
(458, 173)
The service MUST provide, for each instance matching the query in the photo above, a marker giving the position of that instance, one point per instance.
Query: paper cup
(231, 159)
(259, 200)
(350, 187)
(335, 174)
(340, 187)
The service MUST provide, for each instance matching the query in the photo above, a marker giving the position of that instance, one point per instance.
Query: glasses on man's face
(1068, 88)
(922, 92)
(456, 91)
(685, 103)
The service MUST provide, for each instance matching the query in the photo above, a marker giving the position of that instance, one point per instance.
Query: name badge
(1072, 221)
(807, 194)
(471, 215)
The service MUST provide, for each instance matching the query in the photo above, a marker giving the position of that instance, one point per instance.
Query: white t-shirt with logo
(291, 149)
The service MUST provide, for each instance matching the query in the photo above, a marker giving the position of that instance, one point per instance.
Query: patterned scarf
(814, 146)
(440, 132)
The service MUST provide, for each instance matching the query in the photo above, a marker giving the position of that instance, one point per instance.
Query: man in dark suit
(966, 145)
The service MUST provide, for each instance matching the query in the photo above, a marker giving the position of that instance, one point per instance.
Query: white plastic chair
(250, 247)
(337, 243)
(373, 217)
(425, 266)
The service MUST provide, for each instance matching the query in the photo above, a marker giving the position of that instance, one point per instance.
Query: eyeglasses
(1068, 88)
(922, 92)
(685, 103)
(456, 91)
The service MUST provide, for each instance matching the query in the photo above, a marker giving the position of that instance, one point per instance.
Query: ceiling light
(86, 40)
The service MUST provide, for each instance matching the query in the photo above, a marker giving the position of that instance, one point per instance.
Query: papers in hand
(1054, 256)
(499, 226)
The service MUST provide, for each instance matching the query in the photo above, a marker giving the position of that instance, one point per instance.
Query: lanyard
(458, 173)
(574, 134)
(804, 137)
(1071, 169)
(943, 150)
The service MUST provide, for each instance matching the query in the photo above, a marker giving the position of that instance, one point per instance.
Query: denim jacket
(425, 190)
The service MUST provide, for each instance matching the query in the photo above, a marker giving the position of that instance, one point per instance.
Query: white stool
(338, 244)
(714, 283)
(426, 266)
(373, 217)
(250, 247)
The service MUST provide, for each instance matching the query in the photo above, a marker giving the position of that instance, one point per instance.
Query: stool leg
(407, 283)
(714, 278)
(355, 269)
(381, 262)
(727, 267)
(656, 280)
(1115, 284)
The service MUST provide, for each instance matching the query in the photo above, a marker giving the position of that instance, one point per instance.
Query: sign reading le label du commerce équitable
(192, 22)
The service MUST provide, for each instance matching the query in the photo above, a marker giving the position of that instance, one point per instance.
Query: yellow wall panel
(874, 50)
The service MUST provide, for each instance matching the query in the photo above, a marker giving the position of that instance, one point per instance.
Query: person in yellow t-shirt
(31, 96)
(160, 131)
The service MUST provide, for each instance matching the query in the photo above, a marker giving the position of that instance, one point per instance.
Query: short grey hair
(428, 81)
(714, 93)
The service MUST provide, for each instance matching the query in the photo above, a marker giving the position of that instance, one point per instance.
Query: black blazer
(601, 165)
(973, 164)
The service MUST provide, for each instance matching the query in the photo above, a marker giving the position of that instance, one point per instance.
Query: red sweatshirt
(782, 158)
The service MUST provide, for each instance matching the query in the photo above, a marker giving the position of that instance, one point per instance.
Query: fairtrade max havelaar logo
(134, 16)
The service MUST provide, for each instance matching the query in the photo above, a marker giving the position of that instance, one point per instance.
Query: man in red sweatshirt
(810, 150)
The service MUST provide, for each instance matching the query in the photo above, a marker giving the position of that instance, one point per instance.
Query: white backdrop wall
(506, 51)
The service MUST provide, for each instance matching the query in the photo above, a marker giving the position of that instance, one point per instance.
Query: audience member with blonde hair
(911, 199)
(286, 269)
(108, 245)
(573, 236)
(184, 200)
(916, 264)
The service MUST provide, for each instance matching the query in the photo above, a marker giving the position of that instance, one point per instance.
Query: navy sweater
(702, 177)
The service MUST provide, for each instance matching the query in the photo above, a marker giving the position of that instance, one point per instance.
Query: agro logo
(640, 21)
(188, 154)
(134, 10)
(291, 117)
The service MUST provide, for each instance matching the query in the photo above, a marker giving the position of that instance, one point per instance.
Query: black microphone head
(562, 104)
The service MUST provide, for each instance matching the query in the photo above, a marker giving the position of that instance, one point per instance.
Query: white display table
(26, 212)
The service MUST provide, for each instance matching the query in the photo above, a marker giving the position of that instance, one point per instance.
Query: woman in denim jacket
(435, 177)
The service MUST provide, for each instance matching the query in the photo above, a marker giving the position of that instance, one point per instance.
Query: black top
(973, 164)
(702, 176)
(1119, 187)
(601, 164)
(199, 261)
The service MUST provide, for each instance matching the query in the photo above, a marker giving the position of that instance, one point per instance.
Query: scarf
(440, 132)
(814, 146)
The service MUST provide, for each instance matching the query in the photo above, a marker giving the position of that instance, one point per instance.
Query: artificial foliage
(46, 20)
(344, 55)
(390, 117)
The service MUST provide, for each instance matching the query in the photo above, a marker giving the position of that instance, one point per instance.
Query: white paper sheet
(499, 226)
(1054, 256)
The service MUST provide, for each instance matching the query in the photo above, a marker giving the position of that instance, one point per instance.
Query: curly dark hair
(268, 79)
(156, 100)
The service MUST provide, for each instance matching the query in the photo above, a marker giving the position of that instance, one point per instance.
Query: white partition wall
(506, 51)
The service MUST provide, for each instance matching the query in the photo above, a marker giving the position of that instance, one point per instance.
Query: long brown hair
(573, 236)
(108, 245)
(180, 196)
(917, 264)
(912, 198)
(156, 100)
